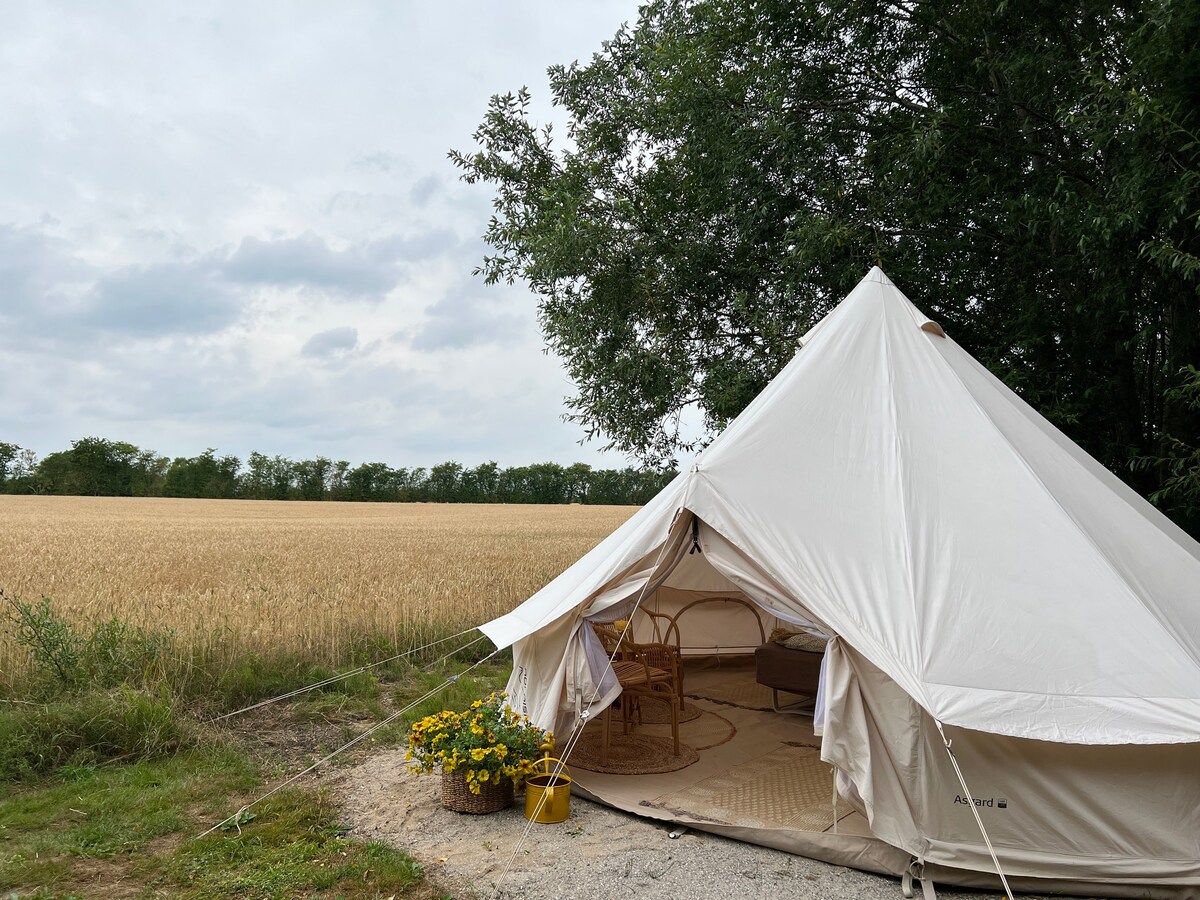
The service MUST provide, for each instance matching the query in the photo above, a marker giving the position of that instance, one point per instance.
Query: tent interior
(760, 768)
(756, 772)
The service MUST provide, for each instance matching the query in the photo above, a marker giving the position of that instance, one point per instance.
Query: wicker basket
(492, 796)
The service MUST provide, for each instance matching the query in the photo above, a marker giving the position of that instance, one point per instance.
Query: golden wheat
(263, 576)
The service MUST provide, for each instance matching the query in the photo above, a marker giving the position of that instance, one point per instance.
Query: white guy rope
(346, 746)
(581, 722)
(465, 646)
(344, 675)
(971, 802)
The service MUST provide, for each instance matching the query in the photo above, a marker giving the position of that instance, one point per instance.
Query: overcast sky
(234, 225)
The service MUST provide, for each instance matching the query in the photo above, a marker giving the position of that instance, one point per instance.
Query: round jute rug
(709, 730)
(658, 712)
(630, 754)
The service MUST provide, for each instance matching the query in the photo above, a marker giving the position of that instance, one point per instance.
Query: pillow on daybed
(798, 640)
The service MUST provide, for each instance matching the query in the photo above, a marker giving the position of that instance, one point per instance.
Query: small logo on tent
(989, 802)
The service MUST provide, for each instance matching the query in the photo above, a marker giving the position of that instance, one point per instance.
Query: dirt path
(597, 853)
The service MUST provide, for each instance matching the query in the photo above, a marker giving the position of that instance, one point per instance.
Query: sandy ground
(597, 853)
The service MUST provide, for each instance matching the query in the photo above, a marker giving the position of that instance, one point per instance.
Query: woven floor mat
(786, 788)
(707, 730)
(655, 711)
(744, 692)
(629, 754)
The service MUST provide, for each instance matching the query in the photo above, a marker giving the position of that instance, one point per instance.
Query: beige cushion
(802, 641)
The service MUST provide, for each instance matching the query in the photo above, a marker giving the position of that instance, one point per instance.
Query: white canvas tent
(975, 569)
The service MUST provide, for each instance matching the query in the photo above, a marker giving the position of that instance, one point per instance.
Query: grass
(85, 728)
(90, 829)
(87, 827)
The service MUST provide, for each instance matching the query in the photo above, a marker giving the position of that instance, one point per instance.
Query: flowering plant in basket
(487, 742)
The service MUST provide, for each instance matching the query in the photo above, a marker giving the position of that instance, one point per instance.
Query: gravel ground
(597, 853)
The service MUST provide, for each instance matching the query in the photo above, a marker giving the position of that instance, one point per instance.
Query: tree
(443, 485)
(313, 477)
(9, 454)
(1029, 175)
(23, 474)
(337, 480)
(485, 481)
(1179, 462)
(97, 466)
(369, 481)
(206, 475)
(578, 483)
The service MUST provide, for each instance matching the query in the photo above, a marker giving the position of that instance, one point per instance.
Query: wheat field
(236, 576)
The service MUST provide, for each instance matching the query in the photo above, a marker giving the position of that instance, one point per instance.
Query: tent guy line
(974, 809)
(352, 742)
(336, 678)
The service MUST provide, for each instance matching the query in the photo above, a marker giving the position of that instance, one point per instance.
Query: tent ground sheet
(757, 769)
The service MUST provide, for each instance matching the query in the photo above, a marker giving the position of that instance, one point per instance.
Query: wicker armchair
(643, 670)
(666, 635)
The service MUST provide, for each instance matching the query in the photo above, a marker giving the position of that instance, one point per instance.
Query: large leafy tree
(1028, 173)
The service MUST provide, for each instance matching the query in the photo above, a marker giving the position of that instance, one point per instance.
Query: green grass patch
(120, 724)
(98, 812)
(293, 847)
(138, 823)
(108, 771)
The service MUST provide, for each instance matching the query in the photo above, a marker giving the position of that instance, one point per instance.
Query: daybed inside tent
(986, 588)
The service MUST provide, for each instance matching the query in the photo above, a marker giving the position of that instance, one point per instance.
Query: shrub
(67, 659)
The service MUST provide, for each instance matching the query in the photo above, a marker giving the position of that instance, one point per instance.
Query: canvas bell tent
(979, 577)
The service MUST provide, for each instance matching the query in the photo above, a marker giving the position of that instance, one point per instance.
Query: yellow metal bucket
(549, 789)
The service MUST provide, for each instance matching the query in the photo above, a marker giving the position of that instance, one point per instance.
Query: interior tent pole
(974, 809)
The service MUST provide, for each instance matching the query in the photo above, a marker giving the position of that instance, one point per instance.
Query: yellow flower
(478, 753)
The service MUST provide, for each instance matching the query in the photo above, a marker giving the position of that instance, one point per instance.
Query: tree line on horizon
(96, 466)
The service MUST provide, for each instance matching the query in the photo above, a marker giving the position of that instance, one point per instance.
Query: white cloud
(217, 215)
(331, 342)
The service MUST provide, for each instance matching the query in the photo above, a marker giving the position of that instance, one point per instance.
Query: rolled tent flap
(561, 671)
(648, 575)
(756, 584)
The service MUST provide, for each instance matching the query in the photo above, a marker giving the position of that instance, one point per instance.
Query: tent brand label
(990, 802)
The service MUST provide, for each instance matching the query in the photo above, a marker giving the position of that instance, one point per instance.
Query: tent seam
(1084, 533)
(898, 456)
